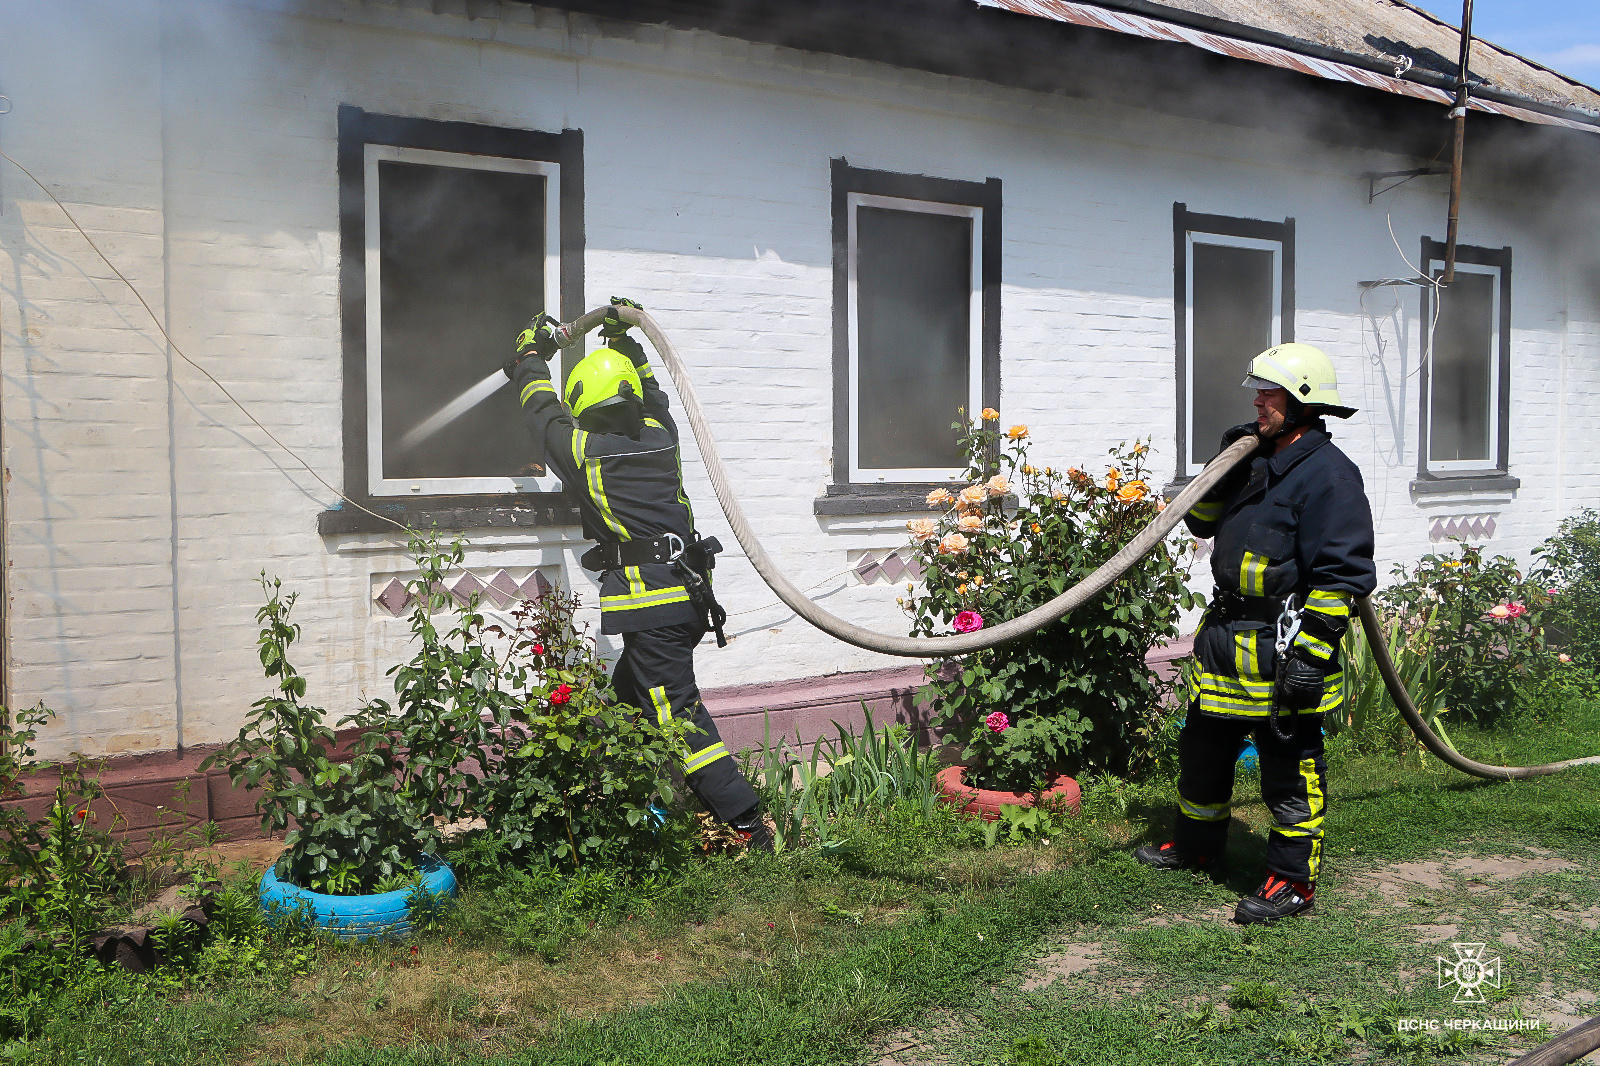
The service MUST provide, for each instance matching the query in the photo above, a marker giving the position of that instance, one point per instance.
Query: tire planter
(380, 914)
(986, 803)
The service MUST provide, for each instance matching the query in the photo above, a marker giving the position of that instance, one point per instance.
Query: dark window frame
(1185, 222)
(1490, 478)
(358, 128)
(844, 496)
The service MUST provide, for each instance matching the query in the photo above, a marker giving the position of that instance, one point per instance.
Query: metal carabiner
(675, 546)
(1288, 625)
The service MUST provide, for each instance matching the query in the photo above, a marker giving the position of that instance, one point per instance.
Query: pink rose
(968, 622)
(1500, 611)
(997, 722)
(1564, 657)
(1516, 610)
(1549, 592)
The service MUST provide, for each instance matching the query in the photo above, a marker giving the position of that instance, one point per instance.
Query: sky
(1561, 34)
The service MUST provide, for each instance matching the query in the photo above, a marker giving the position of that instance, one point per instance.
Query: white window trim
(857, 200)
(1492, 460)
(373, 154)
(1193, 237)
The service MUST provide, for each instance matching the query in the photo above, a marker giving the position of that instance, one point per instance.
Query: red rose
(562, 694)
(538, 649)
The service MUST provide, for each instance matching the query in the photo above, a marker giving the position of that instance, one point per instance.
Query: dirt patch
(1501, 868)
(1071, 960)
(909, 1047)
(1435, 934)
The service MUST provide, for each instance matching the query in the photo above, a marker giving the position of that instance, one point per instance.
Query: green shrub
(1569, 567)
(1484, 628)
(1076, 695)
(519, 728)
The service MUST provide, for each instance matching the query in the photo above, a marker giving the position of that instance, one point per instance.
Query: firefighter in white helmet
(1292, 549)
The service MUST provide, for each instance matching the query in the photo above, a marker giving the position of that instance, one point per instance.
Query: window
(453, 236)
(1235, 298)
(1466, 364)
(916, 325)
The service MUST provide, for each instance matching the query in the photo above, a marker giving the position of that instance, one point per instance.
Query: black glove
(541, 339)
(1300, 683)
(613, 327)
(1243, 429)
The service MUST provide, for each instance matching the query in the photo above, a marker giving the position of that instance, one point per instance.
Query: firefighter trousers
(1294, 786)
(656, 674)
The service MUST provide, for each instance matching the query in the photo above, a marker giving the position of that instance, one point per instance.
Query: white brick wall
(197, 140)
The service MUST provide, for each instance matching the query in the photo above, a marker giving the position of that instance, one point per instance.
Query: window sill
(1488, 483)
(454, 513)
(901, 498)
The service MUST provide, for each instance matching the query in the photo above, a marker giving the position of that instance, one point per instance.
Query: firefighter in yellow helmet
(614, 446)
(1292, 548)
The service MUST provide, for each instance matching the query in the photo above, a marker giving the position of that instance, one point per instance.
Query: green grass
(912, 937)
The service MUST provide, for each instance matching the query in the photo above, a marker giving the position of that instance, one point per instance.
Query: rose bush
(1074, 696)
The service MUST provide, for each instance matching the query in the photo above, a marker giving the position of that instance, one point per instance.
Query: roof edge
(1256, 35)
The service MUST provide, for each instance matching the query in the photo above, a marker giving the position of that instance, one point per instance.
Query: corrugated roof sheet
(1388, 31)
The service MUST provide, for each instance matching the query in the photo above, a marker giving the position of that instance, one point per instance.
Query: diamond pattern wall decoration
(395, 597)
(502, 589)
(466, 588)
(892, 567)
(867, 569)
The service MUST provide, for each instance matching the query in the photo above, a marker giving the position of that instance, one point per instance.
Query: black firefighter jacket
(627, 489)
(1298, 523)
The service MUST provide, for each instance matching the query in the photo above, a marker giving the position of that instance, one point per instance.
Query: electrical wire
(181, 354)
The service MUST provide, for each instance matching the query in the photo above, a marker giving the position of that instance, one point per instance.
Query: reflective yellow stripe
(635, 581)
(1206, 512)
(1311, 826)
(597, 485)
(540, 385)
(704, 757)
(1219, 813)
(653, 598)
(1253, 574)
(658, 696)
(1245, 688)
(1247, 655)
(1333, 694)
(1316, 646)
(645, 371)
(1332, 602)
(682, 497)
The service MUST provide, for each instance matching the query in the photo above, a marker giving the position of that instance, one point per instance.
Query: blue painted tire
(1248, 758)
(381, 914)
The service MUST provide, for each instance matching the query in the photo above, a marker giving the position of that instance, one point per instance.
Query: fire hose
(1091, 586)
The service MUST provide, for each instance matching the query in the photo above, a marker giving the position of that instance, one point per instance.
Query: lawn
(911, 943)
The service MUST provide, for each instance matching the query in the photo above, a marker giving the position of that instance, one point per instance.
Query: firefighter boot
(1276, 898)
(753, 828)
(1168, 857)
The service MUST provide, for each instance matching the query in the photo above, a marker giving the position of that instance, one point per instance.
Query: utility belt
(1237, 607)
(691, 560)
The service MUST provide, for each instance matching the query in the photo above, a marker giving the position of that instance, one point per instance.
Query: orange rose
(922, 530)
(1036, 527)
(952, 544)
(940, 498)
(1017, 432)
(969, 523)
(1131, 492)
(998, 485)
(1113, 479)
(973, 495)
(989, 414)
(1027, 468)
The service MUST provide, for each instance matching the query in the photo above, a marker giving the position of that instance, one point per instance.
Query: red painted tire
(986, 803)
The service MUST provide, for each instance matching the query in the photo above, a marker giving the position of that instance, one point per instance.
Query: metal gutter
(1155, 22)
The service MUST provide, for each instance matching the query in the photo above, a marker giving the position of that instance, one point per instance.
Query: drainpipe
(1459, 114)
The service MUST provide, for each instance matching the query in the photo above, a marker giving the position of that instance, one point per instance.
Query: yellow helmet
(1305, 371)
(604, 377)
